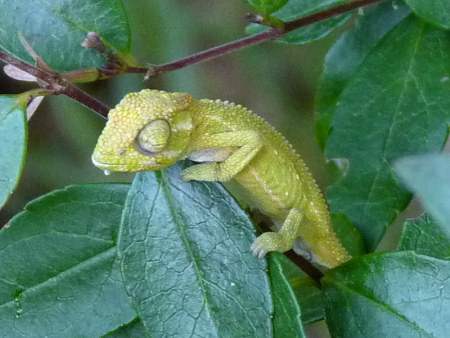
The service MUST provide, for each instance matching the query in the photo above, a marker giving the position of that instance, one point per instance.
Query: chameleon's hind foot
(282, 240)
(269, 241)
(257, 251)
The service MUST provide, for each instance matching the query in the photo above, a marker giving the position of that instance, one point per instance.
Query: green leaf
(13, 143)
(296, 9)
(186, 260)
(349, 236)
(58, 270)
(396, 104)
(308, 295)
(424, 236)
(400, 294)
(266, 6)
(286, 315)
(436, 12)
(347, 54)
(428, 176)
(135, 329)
(56, 28)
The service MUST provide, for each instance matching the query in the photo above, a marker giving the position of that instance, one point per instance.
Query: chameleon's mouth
(108, 166)
(110, 163)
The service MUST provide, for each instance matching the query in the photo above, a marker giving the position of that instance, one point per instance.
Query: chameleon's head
(148, 130)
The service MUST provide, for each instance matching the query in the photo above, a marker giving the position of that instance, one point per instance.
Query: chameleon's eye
(154, 137)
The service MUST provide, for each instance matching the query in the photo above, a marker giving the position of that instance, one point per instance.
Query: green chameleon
(151, 130)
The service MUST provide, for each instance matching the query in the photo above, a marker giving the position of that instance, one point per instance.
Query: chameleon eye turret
(154, 137)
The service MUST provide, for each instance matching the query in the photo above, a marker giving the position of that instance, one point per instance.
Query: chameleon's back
(276, 180)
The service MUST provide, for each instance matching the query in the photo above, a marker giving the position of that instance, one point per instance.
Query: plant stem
(57, 85)
(305, 266)
(271, 34)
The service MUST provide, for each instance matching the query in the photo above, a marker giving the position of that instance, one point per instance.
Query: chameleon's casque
(152, 129)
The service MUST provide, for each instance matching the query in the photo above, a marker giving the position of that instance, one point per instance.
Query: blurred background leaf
(428, 176)
(436, 12)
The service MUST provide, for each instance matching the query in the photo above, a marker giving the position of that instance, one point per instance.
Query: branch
(315, 274)
(271, 34)
(57, 85)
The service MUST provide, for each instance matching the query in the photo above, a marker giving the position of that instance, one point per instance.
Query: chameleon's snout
(101, 163)
(127, 160)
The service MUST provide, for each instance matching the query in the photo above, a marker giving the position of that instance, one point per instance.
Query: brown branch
(315, 274)
(57, 85)
(271, 34)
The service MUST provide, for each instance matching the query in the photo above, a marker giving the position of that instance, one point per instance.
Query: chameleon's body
(151, 130)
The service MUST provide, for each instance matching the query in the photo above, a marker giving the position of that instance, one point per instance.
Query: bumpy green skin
(152, 129)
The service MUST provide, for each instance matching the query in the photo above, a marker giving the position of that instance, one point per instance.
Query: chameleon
(151, 129)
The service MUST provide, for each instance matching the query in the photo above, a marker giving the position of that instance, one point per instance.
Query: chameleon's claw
(257, 251)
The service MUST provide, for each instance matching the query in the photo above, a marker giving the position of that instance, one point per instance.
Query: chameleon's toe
(257, 251)
(270, 241)
(186, 175)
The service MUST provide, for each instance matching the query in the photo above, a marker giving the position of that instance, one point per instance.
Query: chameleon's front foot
(269, 241)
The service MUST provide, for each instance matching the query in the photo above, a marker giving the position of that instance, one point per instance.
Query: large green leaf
(347, 54)
(186, 260)
(13, 143)
(296, 9)
(396, 104)
(286, 317)
(308, 295)
(399, 294)
(135, 329)
(56, 28)
(428, 176)
(436, 12)
(58, 270)
(424, 236)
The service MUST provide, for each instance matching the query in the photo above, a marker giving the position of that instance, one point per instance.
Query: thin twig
(271, 34)
(57, 85)
(305, 266)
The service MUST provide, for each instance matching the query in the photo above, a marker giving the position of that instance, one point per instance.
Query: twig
(271, 34)
(57, 85)
(305, 266)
